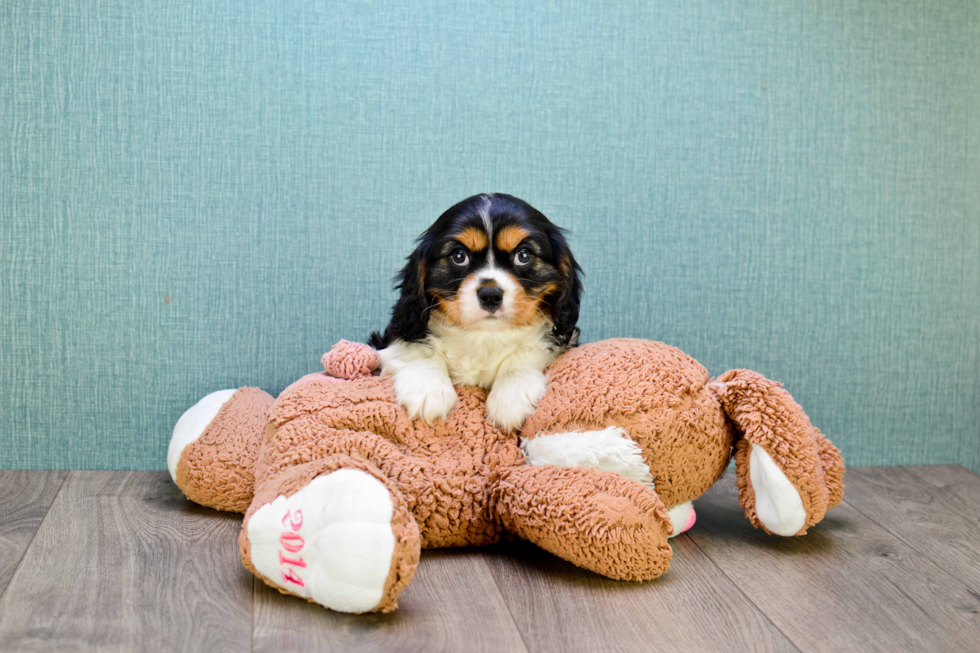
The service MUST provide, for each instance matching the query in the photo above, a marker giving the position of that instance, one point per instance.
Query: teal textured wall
(200, 195)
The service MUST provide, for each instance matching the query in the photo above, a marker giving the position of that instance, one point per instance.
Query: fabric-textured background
(202, 195)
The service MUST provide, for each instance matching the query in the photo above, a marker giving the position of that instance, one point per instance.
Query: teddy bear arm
(788, 474)
(595, 519)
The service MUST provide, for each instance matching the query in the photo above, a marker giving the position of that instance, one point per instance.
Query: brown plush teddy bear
(341, 489)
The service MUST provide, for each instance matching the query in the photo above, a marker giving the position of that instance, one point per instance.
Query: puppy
(489, 298)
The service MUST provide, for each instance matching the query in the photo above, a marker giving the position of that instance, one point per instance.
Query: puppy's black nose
(491, 297)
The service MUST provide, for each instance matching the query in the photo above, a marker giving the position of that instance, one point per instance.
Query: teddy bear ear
(350, 360)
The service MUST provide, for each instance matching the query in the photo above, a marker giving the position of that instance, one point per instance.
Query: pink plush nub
(690, 522)
(350, 360)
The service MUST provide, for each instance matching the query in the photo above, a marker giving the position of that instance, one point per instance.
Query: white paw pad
(777, 503)
(192, 424)
(330, 542)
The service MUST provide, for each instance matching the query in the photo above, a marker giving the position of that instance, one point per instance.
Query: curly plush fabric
(350, 360)
(463, 481)
(597, 520)
(658, 395)
(440, 469)
(218, 470)
(768, 416)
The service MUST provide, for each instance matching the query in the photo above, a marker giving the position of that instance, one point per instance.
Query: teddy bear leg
(788, 474)
(214, 446)
(610, 449)
(595, 519)
(334, 531)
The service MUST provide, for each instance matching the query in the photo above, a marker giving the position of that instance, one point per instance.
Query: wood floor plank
(847, 585)
(932, 509)
(451, 605)
(123, 562)
(693, 607)
(25, 496)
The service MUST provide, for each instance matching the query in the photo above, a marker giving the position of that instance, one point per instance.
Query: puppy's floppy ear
(409, 315)
(565, 304)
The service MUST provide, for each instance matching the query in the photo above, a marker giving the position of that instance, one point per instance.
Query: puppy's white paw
(514, 397)
(425, 391)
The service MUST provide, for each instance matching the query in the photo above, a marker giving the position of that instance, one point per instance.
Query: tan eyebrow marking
(511, 236)
(473, 239)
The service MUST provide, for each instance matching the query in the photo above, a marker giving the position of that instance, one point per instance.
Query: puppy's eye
(459, 257)
(523, 257)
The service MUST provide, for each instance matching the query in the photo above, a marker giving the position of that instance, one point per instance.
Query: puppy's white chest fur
(478, 357)
(508, 361)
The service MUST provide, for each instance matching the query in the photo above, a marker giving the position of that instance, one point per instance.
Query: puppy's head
(489, 262)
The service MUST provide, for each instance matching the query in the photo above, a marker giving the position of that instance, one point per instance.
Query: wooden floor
(121, 561)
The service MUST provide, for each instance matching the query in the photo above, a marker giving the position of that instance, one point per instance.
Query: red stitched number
(295, 522)
(291, 577)
(296, 562)
(293, 543)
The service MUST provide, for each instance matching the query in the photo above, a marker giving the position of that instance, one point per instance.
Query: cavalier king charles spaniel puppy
(489, 298)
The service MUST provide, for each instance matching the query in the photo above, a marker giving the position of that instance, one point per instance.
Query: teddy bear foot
(213, 449)
(335, 542)
(192, 425)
